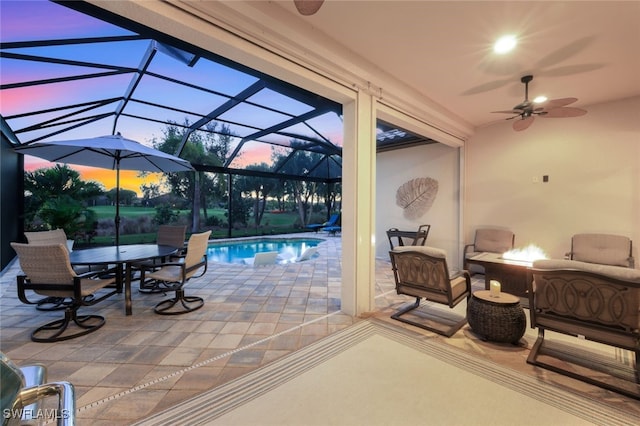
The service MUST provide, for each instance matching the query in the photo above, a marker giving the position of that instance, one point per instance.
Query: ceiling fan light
(540, 99)
(505, 44)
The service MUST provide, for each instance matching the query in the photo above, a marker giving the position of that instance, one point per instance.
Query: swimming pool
(235, 251)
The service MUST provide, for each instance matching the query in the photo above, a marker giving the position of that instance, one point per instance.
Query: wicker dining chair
(57, 236)
(44, 238)
(422, 272)
(47, 271)
(175, 274)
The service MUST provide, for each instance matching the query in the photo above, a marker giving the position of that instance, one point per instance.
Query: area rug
(373, 373)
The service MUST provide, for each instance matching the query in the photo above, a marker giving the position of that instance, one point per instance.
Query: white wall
(593, 164)
(394, 168)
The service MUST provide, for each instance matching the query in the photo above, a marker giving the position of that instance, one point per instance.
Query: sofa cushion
(493, 240)
(601, 248)
(617, 272)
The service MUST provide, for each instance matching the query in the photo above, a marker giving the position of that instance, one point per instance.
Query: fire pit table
(512, 274)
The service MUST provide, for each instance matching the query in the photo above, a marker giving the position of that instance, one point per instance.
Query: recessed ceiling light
(540, 99)
(505, 44)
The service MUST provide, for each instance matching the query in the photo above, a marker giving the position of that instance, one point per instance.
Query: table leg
(119, 277)
(127, 290)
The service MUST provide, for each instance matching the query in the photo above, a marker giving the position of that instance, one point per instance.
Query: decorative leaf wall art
(416, 196)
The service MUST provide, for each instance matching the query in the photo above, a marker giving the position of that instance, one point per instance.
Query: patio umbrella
(107, 152)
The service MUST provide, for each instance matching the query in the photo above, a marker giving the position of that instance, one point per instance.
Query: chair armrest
(467, 248)
(98, 273)
(163, 264)
(456, 275)
(182, 253)
(461, 273)
(66, 400)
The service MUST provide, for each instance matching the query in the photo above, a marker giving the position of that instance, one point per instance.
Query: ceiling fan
(526, 111)
(308, 7)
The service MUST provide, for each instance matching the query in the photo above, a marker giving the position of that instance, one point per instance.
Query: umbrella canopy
(107, 152)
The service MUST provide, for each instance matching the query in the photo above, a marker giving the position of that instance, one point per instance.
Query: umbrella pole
(117, 202)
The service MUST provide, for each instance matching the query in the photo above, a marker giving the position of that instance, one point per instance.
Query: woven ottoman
(498, 319)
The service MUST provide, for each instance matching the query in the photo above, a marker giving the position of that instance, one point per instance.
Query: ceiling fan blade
(506, 112)
(308, 7)
(557, 103)
(523, 124)
(563, 112)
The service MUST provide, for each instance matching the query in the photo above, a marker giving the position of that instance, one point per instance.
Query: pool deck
(140, 364)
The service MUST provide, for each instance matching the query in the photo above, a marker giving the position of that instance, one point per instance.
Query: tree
(204, 147)
(126, 196)
(65, 213)
(258, 188)
(149, 191)
(298, 163)
(58, 197)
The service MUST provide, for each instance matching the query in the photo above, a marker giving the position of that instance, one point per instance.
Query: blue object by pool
(289, 249)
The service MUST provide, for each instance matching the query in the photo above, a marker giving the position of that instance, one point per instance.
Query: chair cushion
(458, 287)
(601, 248)
(493, 240)
(429, 251)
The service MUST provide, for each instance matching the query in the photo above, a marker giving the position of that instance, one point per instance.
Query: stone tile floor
(137, 365)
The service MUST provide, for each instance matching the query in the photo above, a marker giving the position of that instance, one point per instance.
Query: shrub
(165, 214)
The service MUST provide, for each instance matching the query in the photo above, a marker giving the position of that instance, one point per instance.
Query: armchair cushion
(601, 248)
(430, 251)
(493, 240)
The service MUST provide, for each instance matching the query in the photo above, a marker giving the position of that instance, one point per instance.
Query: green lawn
(272, 224)
(109, 212)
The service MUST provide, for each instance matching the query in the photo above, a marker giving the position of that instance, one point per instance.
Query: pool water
(236, 251)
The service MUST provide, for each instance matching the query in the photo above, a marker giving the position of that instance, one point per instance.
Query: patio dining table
(123, 257)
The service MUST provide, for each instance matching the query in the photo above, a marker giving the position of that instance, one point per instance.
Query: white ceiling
(587, 50)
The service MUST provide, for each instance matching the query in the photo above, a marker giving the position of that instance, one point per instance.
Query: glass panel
(259, 117)
(280, 102)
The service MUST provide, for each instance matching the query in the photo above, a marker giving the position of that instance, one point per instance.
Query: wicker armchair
(422, 272)
(47, 271)
(168, 235)
(175, 274)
